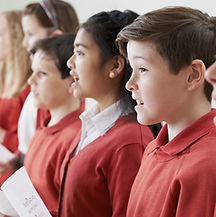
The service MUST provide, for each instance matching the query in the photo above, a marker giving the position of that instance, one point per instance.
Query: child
(50, 84)
(15, 69)
(211, 78)
(47, 19)
(101, 164)
(37, 25)
(169, 50)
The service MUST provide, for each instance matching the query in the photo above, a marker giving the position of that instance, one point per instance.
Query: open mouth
(139, 102)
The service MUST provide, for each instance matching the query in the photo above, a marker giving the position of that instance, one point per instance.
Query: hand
(9, 166)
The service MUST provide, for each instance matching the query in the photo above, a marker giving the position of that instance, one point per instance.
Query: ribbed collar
(185, 138)
(67, 120)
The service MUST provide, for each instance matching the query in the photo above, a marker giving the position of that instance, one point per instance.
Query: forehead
(85, 40)
(3, 23)
(141, 50)
(40, 57)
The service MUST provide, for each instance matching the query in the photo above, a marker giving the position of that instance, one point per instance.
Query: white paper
(5, 154)
(5, 206)
(22, 195)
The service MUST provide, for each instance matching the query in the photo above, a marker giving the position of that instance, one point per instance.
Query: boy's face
(160, 95)
(49, 89)
(211, 78)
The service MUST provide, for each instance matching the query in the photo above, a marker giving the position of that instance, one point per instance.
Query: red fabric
(45, 155)
(178, 178)
(9, 115)
(97, 181)
(42, 114)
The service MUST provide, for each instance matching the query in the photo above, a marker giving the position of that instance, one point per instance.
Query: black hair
(60, 48)
(103, 28)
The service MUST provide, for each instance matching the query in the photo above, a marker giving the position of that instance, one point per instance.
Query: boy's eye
(42, 73)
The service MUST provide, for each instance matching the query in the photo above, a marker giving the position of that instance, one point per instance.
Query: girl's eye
(79, 53)
(142, 69)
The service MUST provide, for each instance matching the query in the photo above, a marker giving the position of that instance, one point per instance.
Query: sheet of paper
(5, 206)
(5, 154)
(22, 195)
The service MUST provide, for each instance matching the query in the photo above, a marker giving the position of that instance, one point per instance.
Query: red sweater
(97, 181)
(46, 153)
(178, 178)
(9, 115)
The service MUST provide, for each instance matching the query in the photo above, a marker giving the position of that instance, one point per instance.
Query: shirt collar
(102, 120)
(185, 138)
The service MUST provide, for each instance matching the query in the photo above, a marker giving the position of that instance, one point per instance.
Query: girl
(47, 19)
(102, 163)
(14, 72)
(37, 24)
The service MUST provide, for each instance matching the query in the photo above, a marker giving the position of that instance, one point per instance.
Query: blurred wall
(86, 8)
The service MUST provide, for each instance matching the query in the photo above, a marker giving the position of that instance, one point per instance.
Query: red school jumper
(97, 181)
(178, 178)
(45, 156)
(9, 115)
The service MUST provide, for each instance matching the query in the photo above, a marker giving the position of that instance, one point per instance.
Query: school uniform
(30, 119)
(9, 114)
(102, 162)
(46, 153)
(178, 178)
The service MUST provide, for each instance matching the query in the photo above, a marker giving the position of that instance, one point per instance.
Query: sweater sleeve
(124, 167)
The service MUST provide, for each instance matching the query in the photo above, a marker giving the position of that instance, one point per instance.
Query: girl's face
(160, 95)
(211, 78)
(49, 89)
(3, 39)
(33, 31)
(90, 78)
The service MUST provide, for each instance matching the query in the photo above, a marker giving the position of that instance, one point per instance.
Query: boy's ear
(196, 75)
(56, 32)
(117, 66)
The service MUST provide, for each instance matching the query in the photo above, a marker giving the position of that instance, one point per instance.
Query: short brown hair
(180, 35)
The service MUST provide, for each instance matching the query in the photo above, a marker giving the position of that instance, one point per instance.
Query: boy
(169, 50)
(50, 83)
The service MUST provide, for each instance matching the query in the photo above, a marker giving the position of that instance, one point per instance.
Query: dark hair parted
(103, 28)
(66, 16)
(60, 48)
(180, 35)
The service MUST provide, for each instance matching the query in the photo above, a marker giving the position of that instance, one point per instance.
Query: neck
(190, 114)
(60, 112)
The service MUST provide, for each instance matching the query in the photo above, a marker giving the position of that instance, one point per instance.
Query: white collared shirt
(96, 123)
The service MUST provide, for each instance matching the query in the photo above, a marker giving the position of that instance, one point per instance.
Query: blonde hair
(15, 71)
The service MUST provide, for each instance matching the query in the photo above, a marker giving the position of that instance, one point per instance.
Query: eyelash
(142, 69)
(43, 73)
(78, 52)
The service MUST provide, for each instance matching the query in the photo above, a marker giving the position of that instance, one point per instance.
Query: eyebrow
(139, 57)
(80, 45)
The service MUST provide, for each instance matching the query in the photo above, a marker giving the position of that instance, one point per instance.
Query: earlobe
(196, 75)
(118, 65)
(56, 32)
